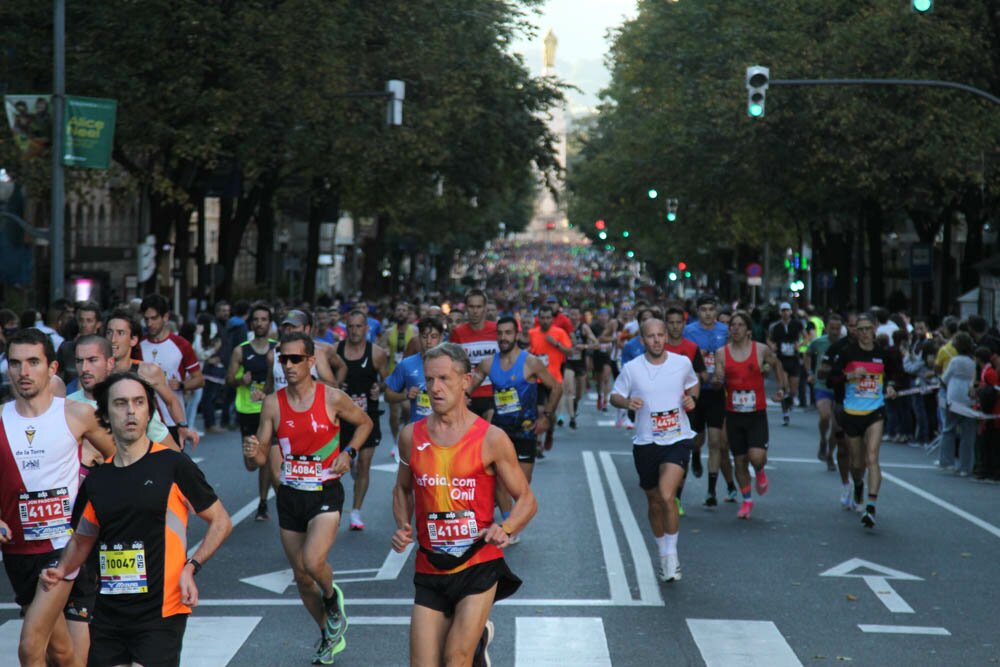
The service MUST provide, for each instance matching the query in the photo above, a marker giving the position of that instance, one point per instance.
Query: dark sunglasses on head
(285, 359)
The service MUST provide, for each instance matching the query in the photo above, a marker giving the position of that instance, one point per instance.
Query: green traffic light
(652, 193)
(757, 110)
(625, 234)
(671, 216)
(687, 274)
(602, 235)
(672, 276)
(923, 6)
(630, 254)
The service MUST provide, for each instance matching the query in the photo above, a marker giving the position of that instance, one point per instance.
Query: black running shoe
(572, 423)
(868, 519)
(711, 501)
(696, 464)
(262, 514)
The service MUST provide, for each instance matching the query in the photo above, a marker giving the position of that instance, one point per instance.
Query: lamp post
(57, 277)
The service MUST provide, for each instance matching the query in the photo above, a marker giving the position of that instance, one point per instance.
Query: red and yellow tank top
(309, 442)
(453, 496)
(744, 383)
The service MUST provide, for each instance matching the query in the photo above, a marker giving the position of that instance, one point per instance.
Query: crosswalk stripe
(561, 640)
(728, 642)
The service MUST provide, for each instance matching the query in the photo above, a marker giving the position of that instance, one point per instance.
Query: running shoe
(830, 465)
(711, 501)
(262, 514)
(680, 508)
(327, 649)
(761, 482)
(696, 464)
(572, 423)
(356, 522)
(336, 618)
(745, 509)
(846, 501)
(821, 454)
(548, 441)
(629, 424)
(559, 421)
(784, 420)
(481, 658)
(731, 496)
(670, 568)
(868, 518)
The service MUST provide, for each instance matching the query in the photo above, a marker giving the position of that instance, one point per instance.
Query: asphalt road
(801, 583)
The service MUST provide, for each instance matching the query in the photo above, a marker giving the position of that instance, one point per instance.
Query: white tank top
(44, 485)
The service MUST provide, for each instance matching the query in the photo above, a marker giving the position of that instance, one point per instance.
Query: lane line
(724, 643)
(397, 602)
(546, 641)
(783, 459)
(944, 504)
(905, 630)
(649, 589)
(240, 514)
(394, 563)
(887, 595)
(617, 581)
(211, 641)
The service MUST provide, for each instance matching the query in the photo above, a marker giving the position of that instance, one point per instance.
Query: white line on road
(905, 630)
(971, 518)
(817, 462)
(546, 641)
(396, 602)
(887, 595)
(649, 589)
(237, 517)
(393, 564)
(210, 641)
(617, 580)
(724, 643)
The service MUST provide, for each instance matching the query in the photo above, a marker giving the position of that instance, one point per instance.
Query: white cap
(785, 306)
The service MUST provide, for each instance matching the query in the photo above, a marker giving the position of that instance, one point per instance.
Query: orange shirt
(550, 354)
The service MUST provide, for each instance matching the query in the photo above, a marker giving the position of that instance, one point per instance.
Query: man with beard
(551, 344)
(478, 337)
(400, 340)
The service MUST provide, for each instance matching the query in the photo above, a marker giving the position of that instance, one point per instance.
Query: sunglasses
(285, 359)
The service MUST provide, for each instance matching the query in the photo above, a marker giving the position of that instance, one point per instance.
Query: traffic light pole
(933, 83)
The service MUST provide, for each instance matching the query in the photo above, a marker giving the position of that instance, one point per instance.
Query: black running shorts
(746, 431)
(442, 592)
(154, 643)
(23, 571)
(374, 438)
(709, 410)
(297, 508)
(526, 449)
(248, 421)
(649, 458)
(791, 365)
(856, 425)
(481, 405)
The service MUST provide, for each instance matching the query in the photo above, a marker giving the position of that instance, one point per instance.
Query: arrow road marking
(887, 595)
(878, 582)
(903, 630)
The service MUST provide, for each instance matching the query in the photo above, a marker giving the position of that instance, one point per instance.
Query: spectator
(988, 454)
(920, 367)
(900, 417)
(960, 424)
(207, 344)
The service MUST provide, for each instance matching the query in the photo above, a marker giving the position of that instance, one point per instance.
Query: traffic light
(672, 276)
(682, 266)
(652, 193)
(687, 274)
(756, 81)
(671, 210)
(602, 235)
(630, 254)
(625, 234)
(922, 6)
(599, 224)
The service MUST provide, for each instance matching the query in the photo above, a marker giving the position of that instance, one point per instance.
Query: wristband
(182, 424)
(505, 529)
(195, 564)
(353, 453)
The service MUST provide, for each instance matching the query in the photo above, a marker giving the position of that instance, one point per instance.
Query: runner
(247, 373)
(40, 436)
(575, 371)
(516, 376)
(832, 332)
(305, 417)
(551, 344)
(400, 340)
(741, 371)
(406, 383)
(839, 437)
(124, 331)
(783, 337)
(606, 331)
(175, 357)
(449, 466)
(661, 388)
(332, 374)
(861, 368)
(478, 337)
(134, 510)
(366, 368)
(710, 335)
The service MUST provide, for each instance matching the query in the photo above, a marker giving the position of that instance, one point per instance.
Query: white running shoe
(670, 568)
(846, 499)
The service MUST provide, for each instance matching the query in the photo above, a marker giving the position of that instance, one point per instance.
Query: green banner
(90, 132)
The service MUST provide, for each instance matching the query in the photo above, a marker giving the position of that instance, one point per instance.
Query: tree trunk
(944, 303)
(973, 209)
(374, 248)
(873, 229)
(265, 273)
(320, 205)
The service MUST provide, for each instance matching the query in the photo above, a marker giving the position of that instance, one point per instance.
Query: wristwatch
(195, 564)
(353, 453)
(182, 424)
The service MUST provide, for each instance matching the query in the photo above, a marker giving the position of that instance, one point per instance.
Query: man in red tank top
(449, 466)
(305, 417)
(740, 371)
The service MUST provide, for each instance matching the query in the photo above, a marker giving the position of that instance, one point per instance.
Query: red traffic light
(682, 266)
(599, 224)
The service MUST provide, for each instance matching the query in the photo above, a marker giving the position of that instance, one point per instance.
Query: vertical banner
(30, 119)
(90, 132)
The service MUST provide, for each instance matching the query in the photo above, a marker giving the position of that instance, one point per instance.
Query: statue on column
(550, 50)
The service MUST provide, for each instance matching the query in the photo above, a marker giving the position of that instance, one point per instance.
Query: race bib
(507, 401)
(868, 386)
(788, 349)
(256, 386)
(45, 515)
(709, 358)
(123, 570)
(302, 472)
(361, 401)
(452, 532)
(423, 404)
(744, 400)
(666, 424)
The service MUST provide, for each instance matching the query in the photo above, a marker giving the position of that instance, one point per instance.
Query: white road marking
(386, 467)
(905, 630)
(545, 641)
(971, 518)
(888, 596)
(402, 602)
(275, 582)
(212, 641)
(617, 581)
(725, 642)
(817, 462)
(238, 516)
(848, 567)
(649, 589)
(393, 564)
(605, 422)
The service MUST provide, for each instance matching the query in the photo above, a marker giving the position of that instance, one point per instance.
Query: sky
(581, 27)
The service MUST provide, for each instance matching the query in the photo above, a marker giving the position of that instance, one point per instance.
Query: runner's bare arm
(73, 556)
(395, 396)
(235, 362)
(719, 376)
(402, 493)
(269, 382)
(219, 528)
(83, 422)
(340, 406)
(537, 370)
(257, 447)
(322, 365)
(154, 375)
(413, 347)
(193, 379)
(337, 366)
(498, 451)
(481, 372)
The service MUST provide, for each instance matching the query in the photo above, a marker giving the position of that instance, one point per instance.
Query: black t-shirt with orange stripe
(139, 515)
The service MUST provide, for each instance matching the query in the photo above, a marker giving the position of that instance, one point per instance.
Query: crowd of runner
(95, 490)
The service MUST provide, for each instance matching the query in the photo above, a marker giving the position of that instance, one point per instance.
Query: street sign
(755, 281)
(754, 270)
(921, 262)
(824, 280)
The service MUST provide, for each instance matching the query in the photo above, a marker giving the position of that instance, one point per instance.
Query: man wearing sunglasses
(862, 369)
(329, 367)
(306, 417)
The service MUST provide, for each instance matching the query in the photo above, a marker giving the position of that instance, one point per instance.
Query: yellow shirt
(944, 356)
